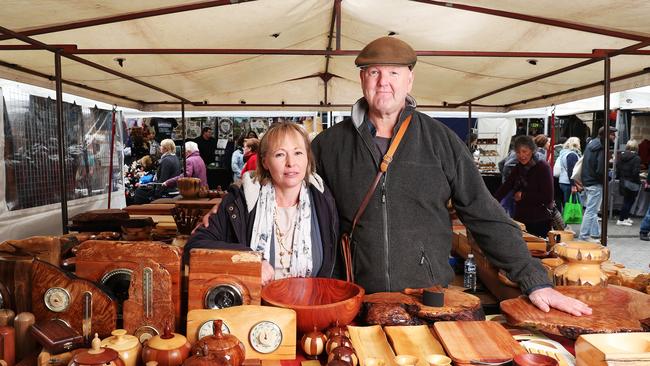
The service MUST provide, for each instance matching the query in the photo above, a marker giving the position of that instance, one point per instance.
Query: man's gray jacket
(404, 237)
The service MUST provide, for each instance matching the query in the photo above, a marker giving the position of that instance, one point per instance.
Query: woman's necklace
(285, 249)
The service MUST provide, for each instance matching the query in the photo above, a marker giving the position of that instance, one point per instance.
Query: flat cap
(387, 51)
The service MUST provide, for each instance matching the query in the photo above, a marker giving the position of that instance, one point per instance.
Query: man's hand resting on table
(547, 298)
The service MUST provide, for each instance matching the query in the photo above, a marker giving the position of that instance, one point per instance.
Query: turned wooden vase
(581, 265)
(189, 187)
(127, 346)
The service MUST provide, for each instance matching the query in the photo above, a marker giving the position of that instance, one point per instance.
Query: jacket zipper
(423, 258)
(385, 216)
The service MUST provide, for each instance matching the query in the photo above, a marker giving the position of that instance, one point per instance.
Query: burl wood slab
(104, 308)
(162, 306)
(406, 308)
(615, 309)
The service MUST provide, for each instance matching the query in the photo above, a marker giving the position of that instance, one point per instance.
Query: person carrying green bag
(572, 210)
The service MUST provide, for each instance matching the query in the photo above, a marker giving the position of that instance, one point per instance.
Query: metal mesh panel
(31, 150)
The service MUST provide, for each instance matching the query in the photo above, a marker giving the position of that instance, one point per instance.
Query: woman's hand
(574, 189)
(268, 273)
(205, 221)
(517, 196)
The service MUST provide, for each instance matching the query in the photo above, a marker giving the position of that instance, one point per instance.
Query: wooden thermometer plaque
(268, 333)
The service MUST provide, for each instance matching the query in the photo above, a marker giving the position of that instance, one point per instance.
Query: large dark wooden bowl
(318, 302)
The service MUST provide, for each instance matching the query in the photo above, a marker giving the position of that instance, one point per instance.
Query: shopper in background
(251, 146)
(531, 181)
(543, 143)
(569, 156)
(644, 229)
(168, 167)
(237, 161)
(403, 238)
(627, 170)
(282, 210)
(207, 145)
(593, 174)
(194, 166)
(505, 167)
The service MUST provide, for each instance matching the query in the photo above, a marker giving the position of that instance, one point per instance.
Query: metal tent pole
(183, 134)
(61, 138)
(112, 150)
(606, 84)
(469, 124)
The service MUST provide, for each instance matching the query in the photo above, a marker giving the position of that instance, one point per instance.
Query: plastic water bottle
(469, 278)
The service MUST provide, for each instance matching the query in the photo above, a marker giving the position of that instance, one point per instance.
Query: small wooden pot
(223, 349)
(168, 349)
(127, 346)
(97, 356)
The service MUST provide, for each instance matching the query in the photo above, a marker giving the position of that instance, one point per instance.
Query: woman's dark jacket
(628, 168)
(168, 167)
(536, 185)
(232, 226)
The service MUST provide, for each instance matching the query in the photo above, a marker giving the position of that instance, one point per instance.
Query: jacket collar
(360, 109)
(252, 187)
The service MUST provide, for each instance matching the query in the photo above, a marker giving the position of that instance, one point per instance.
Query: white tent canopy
(218, 52)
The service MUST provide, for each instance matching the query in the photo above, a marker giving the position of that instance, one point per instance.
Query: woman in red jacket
(251, 147)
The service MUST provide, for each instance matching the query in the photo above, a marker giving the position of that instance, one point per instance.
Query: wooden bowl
(318, 302)
(533, 359)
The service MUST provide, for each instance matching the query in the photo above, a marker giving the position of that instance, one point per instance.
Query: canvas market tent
(299, 53)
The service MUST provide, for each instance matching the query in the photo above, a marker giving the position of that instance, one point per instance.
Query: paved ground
(625, 246)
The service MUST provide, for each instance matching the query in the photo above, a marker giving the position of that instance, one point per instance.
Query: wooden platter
(477, 340)
(371, 342)
(414, 340)
(395, 308)
(615, 309)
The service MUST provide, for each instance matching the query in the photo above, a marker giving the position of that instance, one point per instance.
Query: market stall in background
(90, 275)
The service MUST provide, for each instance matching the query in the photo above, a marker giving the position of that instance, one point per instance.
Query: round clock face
(207, 329)
(265, 337)
(57, 299)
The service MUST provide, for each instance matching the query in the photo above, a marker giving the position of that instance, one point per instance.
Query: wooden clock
(268, 333)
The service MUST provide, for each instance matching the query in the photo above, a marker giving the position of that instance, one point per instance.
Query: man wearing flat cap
(403, 237)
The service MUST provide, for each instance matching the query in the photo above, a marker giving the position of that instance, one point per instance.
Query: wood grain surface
(457, 306)
(16, 283)
(104, 308)
(414, 340)
(606, 349)
(95, 258)
(212, 267)
(615, 309)
(240, 320)
(371, 342)
(45, 248)
(477, 340)
(162, 313)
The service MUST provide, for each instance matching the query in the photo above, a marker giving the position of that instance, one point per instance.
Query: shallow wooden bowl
(318, 302)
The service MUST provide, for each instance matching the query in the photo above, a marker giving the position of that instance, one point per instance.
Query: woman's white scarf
(263, 226)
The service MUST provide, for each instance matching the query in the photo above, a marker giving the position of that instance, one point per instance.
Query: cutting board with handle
(486, 341)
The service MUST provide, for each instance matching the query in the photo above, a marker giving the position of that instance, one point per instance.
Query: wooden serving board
(415, 341)
(371, 342)
(45, 248)
(615, 309)
(150, 209)
(477, 340)
(240, 320)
